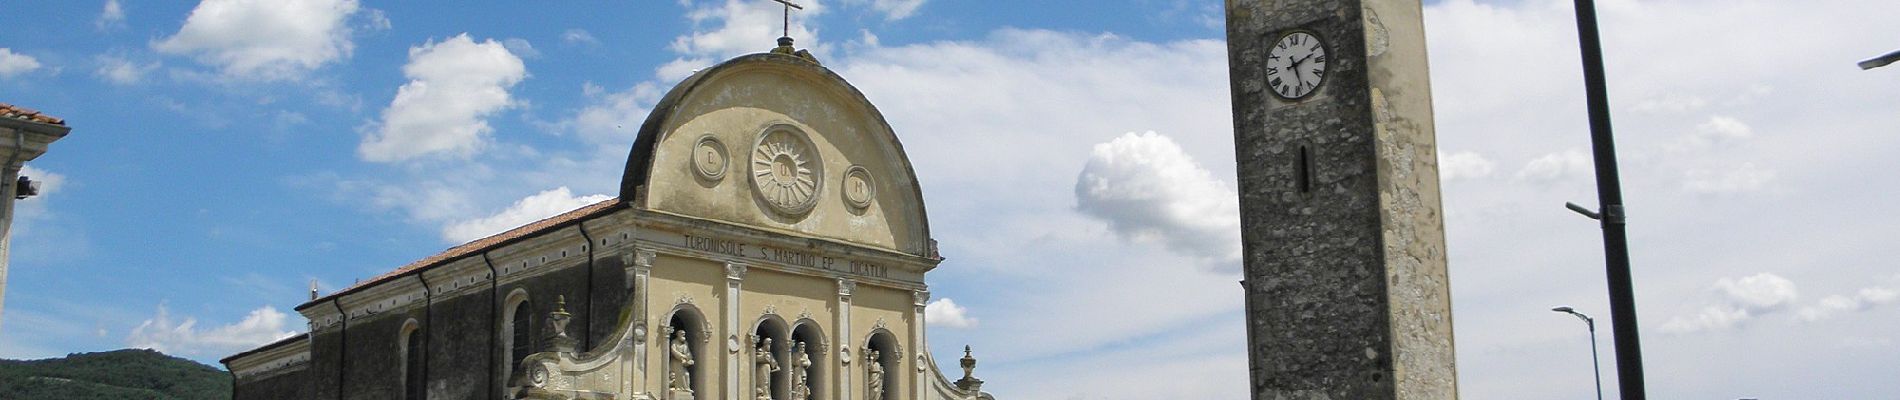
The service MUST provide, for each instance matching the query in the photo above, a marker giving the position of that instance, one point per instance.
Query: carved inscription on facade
(784, 256)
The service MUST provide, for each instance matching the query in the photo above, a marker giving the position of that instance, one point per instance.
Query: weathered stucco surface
(1347, 290)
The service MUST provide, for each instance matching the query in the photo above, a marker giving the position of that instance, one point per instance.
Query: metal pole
(1629, 353)
(1596, 368)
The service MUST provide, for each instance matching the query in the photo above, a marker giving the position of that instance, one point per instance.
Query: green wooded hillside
(118, 374)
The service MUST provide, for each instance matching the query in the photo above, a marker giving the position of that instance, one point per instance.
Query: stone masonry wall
(1322, 322)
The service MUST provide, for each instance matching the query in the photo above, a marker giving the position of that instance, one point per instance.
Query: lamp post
(1880, 61)
(1609, 213)
(1592, 324)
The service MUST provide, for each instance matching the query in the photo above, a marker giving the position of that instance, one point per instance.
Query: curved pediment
(778, 142)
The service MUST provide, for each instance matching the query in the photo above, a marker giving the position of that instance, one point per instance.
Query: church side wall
(458, 326)
(326, 363)
(570, 283)
(609, 294)
(372, 365)
(287, 385)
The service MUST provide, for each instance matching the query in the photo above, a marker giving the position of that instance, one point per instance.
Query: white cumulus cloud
(532, 208)
(112, 16)
(944, 313)
(892, 9)
(12, 64)
(1741, 300)
(613, 118)
(454, 85)
(264, 39)
(1556, 166)
(1865, 299)
(1745, 177)
(1464, 165)
(521, 47)
(163, 333)
(1721, 130)
(1148, 189)
(1761, 292)
(729, 28)
(578, 36)
(120, 71)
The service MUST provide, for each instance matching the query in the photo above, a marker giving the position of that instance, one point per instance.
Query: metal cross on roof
(788, 15)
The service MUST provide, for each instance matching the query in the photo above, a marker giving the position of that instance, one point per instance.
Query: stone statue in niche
(801, 372)
(679, 377)
(876, 381)
(764, 365)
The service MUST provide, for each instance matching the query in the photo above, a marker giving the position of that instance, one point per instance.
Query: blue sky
(1075, 156)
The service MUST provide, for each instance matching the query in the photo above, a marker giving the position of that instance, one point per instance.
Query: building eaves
(272, 345)
(10, 111)
(477, 246)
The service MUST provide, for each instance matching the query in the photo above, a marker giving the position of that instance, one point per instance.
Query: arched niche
(882, 350)
(685, 320)
(770, 338)
(809, 333)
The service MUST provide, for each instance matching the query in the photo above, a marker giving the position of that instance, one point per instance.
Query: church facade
(769, 242)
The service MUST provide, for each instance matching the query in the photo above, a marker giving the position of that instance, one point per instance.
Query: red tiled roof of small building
(21, 113)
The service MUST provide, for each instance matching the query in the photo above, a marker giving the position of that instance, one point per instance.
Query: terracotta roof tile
(27, 114)
(476, 246)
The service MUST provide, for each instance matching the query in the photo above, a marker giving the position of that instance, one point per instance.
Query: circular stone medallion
(709, 158)
(786, 172)
(858, 187)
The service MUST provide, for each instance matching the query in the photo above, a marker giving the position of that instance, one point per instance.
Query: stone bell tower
(1345, 278)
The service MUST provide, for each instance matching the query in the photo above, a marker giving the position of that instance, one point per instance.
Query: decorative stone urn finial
(969, 381)
(557, 322)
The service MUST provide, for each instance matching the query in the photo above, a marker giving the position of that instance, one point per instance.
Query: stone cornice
(650, 220)
(452, 279)
(290, 355)
(550, 251)
(390, 296)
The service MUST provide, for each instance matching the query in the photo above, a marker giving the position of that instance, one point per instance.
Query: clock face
(1296, 64)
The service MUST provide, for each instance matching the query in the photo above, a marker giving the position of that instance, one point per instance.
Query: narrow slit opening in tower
(1304, 170)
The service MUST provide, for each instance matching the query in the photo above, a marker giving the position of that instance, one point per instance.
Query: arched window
(521, 340)
(413, 366)
(514, 332)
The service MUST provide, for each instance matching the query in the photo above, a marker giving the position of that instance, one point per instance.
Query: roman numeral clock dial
(1296, 65)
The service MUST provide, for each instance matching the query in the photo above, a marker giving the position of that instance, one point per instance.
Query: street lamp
(1609, 213)
(1880, 61)
(1592, 324)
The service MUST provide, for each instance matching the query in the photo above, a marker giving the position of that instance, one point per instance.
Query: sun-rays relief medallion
(786, 171)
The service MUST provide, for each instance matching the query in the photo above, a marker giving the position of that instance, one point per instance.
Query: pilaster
(735, 275)
(639, 266)
(846, 288)
(919, 379)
